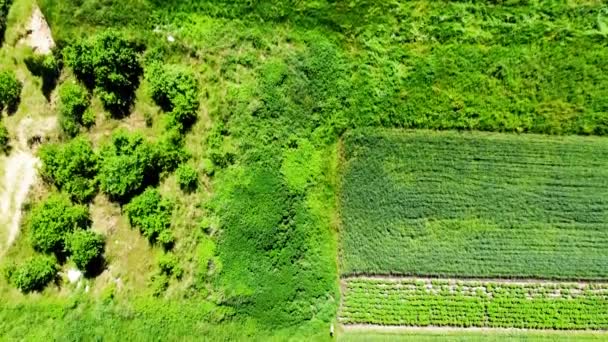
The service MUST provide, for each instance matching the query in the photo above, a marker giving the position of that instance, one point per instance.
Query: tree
(151, 213)
(187, 177)
(128, 164)
(73, 103)
(175, 89)
(86, 247)
(10, 90)
(109, 63)
(72, 167)
(52, 221)
(34, 274)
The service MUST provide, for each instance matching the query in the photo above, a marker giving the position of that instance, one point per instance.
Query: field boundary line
(448, 329)
(515, 281)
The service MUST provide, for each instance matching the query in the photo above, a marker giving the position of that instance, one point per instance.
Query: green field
(468, 336)
(471, 204)
(475, 304)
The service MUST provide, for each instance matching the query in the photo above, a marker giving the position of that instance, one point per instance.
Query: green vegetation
(86, 248)
(52, 221)
(474, 303)
(458, 204)
(109, 64)
(10, 91)
(34, 274)
(72, 167)
(151, 214)
(187, 177)
(470, 336)
(73, 103)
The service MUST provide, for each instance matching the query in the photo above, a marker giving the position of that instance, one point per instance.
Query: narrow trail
(20, 174)
(514, 281)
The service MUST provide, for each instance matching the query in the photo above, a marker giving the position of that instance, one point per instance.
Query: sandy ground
(20, 174)
(39, 33)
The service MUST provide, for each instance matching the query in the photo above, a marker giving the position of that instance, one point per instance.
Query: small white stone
(74, 275)
(170, 38)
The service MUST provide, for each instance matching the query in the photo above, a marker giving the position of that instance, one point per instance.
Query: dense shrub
(170, 151)
(128, 164)
(86, 248)
(34, 274)
(5, 5)
(168, 264)
(46, 66)
(72, 167)
(4, 138)
(187, 177)
(73, 103)
(175, 89)
(109, 63)
(52, 221)
(151, 214)
(10, 91)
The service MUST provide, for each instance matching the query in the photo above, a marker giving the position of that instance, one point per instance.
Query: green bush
(34, 274)
(151, 214)
(52, 221)
(72, 167)
(175, 89)
(86, 247)
(5, 6)
(109, 63)
(170, 151)
(46, 66)
(168, 264)
(4, 138)
(128, 164)
(73, 103)
(10, 90)
(187, 177)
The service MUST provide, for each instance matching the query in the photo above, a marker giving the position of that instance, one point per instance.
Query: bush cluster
(151, 214)
(72, 167)
(52, 221)
(74, 102)
(175, 89)
(109, 63)
(34, 274)
(10, 91)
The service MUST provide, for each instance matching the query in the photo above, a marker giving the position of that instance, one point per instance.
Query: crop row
(479, 304)
(474, 204)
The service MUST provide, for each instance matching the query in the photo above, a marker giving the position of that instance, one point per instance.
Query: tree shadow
(95, 267)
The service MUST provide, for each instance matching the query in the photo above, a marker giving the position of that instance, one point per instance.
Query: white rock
(170, 38)
(74, 275)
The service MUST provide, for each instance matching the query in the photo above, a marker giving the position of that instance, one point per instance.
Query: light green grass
(377, 336)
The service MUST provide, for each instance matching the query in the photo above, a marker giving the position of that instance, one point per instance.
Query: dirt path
(515, 281)
(20, 174)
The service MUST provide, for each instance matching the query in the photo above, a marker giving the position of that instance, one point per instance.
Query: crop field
(461, 303)
(474, 204)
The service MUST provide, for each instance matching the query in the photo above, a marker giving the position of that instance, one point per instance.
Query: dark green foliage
(73, 103)
(5, 6)
(499, 205)
(52, 221)
(151, 214)
(86, 248)
(109, 63)
(35, 274)
(10, 91)
(72, 167)
(175, 89)
(187, 177)
(128, 163)
(4, 138)
(46, 66)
